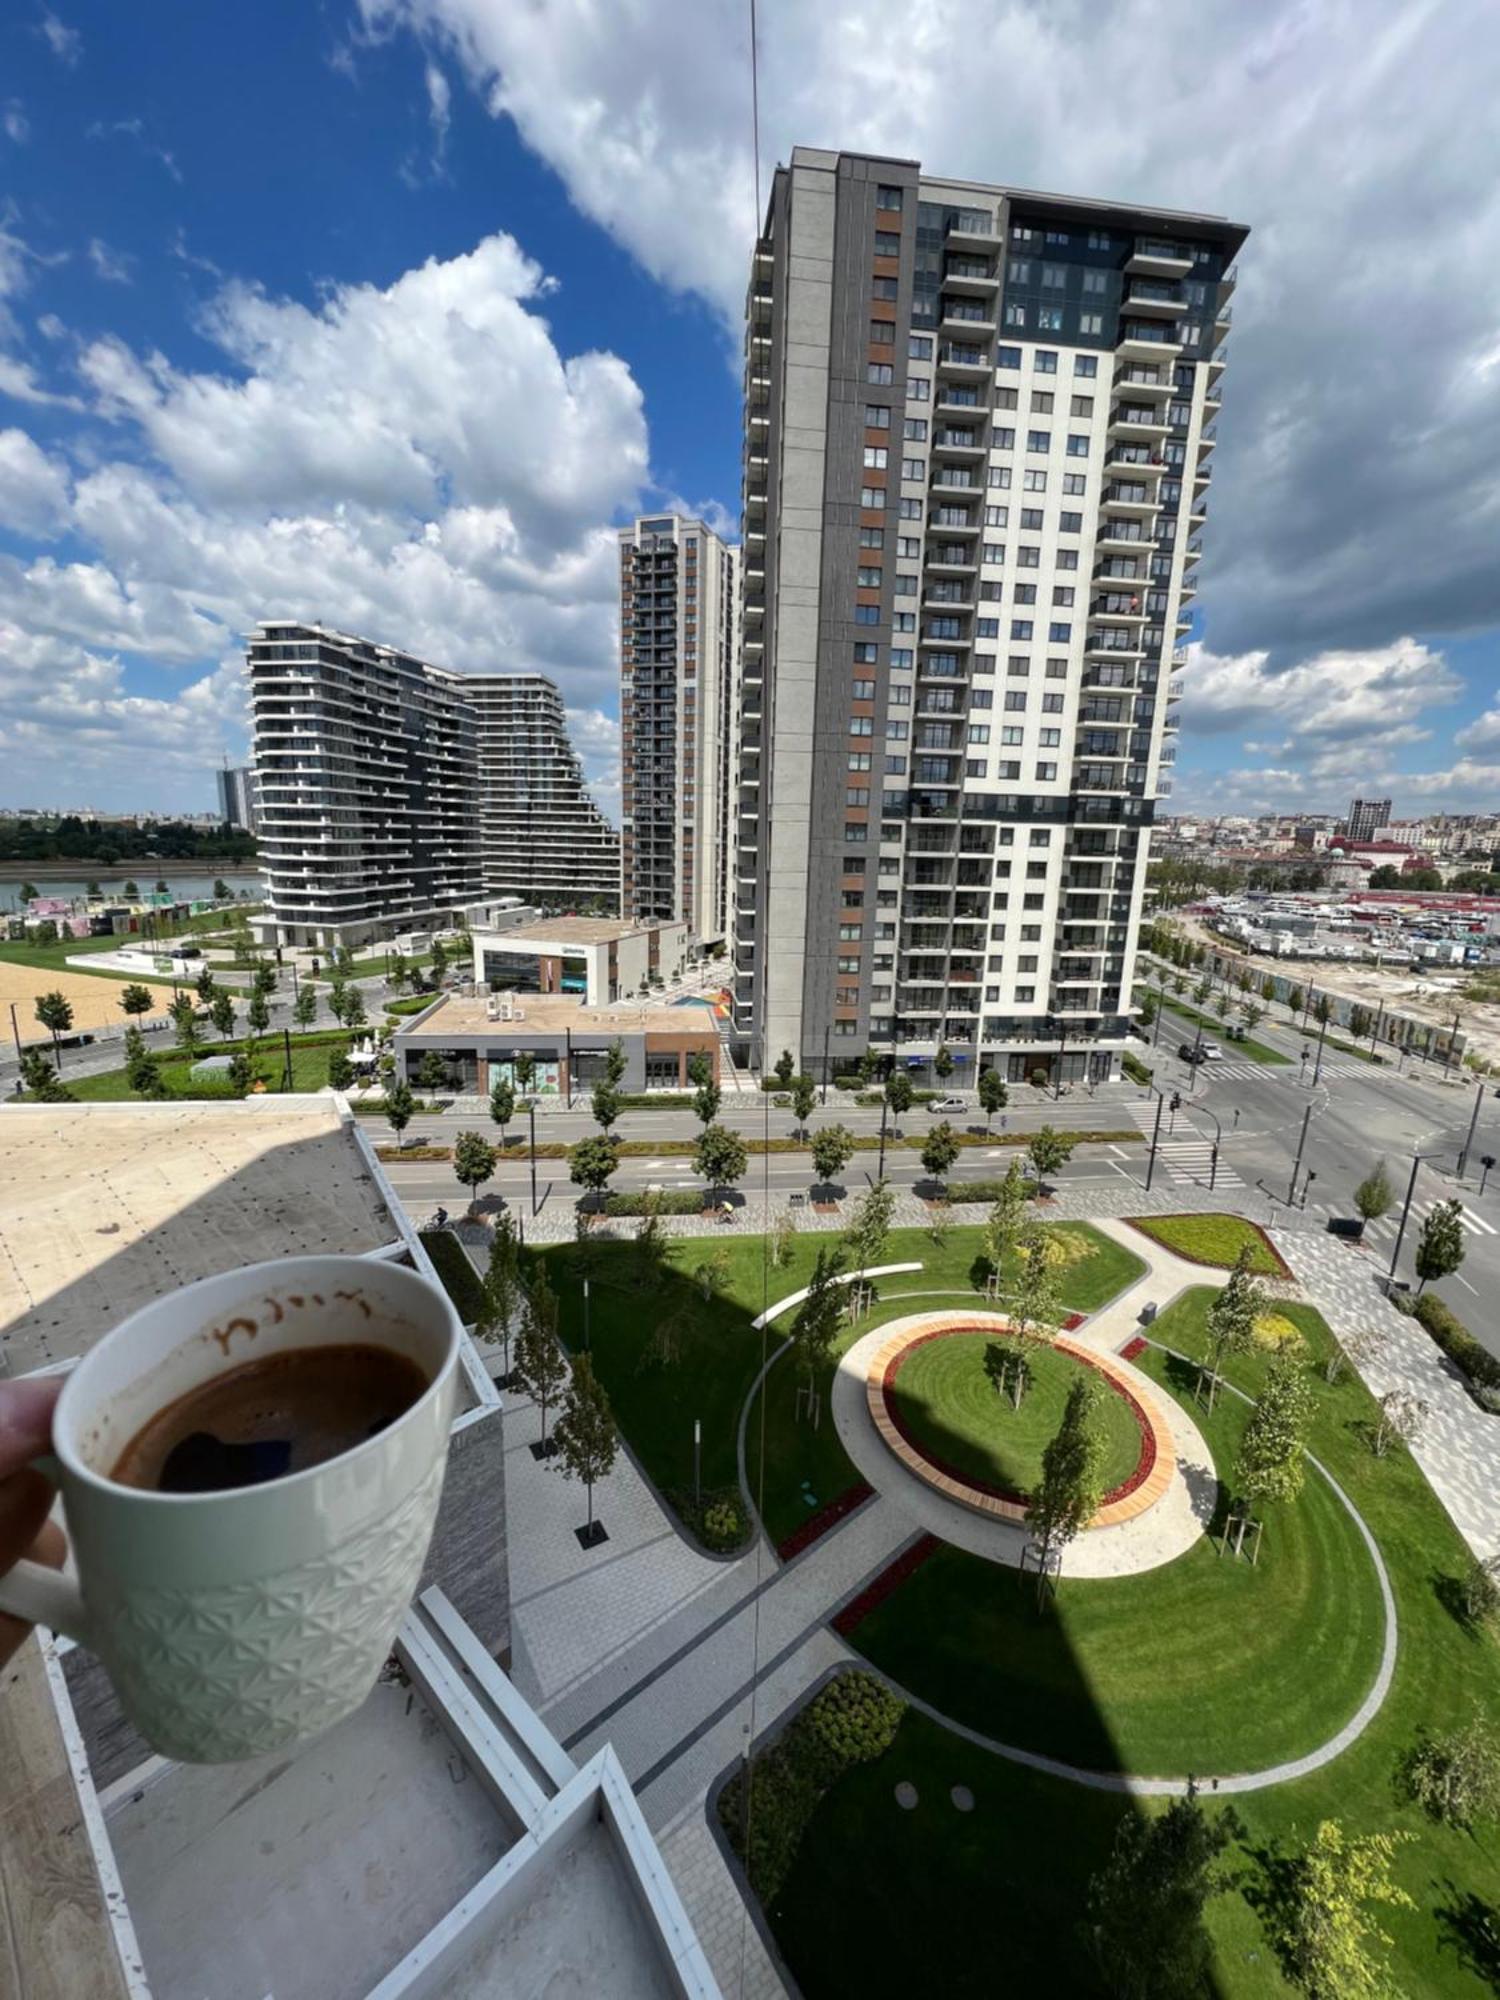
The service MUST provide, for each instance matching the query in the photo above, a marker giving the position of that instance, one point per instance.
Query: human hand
(25, 1496)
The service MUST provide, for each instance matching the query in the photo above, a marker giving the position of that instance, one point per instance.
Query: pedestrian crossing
(1192, 1160)
(1250, 1072)
(1387, 1225)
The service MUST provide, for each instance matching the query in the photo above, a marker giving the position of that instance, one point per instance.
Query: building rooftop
(574, 930)
(550, 1014)
(103, 1207)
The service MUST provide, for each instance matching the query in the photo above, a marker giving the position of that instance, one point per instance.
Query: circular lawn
(942, 1395)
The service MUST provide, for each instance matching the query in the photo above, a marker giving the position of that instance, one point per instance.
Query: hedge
(1477, 1365)
(671, 1201)
(986, 1190)
(460, 1280)
(656, 1100)
(1134, 1068)
(853, 1720)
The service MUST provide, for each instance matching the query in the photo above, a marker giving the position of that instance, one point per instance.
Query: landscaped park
(1305, 1660)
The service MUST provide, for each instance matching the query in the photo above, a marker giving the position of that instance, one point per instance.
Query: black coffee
(267, 1418)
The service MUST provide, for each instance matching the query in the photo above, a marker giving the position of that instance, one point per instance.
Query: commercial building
(1366, 817)
(391, 793)
(679, 695)
(979, 433)
(236, 784)
(598, 959)
(463, 1850)
(478, 1039)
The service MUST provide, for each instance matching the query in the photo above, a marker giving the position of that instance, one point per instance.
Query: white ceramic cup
(237, 1622)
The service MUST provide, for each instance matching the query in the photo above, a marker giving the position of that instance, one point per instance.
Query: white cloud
(1334, 697)
(65, 43)
(18, 380)
(33, 487)
(13, 119)
(596, 738)
(111, 265)
(1483, 733)
(136, 130)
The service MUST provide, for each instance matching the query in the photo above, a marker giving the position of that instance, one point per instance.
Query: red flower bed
(880, 1588)
(1133, 1347)
(825, 1518)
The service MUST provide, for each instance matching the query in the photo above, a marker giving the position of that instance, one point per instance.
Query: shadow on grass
(1470, 1928)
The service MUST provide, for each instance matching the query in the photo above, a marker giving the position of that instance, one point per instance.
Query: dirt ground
(1428, 996)
(96, 1001)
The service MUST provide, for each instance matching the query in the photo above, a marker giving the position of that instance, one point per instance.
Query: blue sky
(386, 310)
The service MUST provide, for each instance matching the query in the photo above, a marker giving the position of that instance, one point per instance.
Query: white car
(947, 1104)
(1212, 1052)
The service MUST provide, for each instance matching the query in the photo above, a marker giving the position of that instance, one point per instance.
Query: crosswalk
(1250, 1072)
(1387, 1225)
(1188, 1158)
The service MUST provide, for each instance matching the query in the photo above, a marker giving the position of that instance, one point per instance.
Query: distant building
(1366, 817)
(541, 834)
(478, 1040)
(237, 796)
(598, 959)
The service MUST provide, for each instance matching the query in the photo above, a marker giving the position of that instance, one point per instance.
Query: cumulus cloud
(1354, 494)
(419, 461)
(1483, 733)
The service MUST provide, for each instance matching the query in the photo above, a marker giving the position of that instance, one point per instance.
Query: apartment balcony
(1131, 497)
(959, 444)
(1119, 534)
(964, 233)
(968, 405)
(972, 275)
(1155, 299)
(964, 325)
(954, 521)
(1133, 461)
(964, 362)
(955, 479)
(947, 598)
(1126, 608)
(1133, 423)
(956, 562)
(1139, 344)
(1158, 257)
(1136, 383)
(1217, 362)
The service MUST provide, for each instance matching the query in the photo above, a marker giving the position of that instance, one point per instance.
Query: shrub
(671, 1201)
(983, 1190)
(1213, 1239)
(1480, 1369)
(853, 1720)
(1134, 1068)
(459, 1278)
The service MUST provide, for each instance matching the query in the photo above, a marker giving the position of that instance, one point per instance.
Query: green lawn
(1008, 1881)
(309, 1069)
(1215, 1029)
(946, 1399)
(1212, 1239)
(720, 1353)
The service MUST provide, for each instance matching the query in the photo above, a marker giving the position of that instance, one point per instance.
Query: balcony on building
(1127, 459)
(963, 360)
(1155, 298)
(1137, 423)
(1139, 382)
(954, 521)
(1148, 340)
(969, 229)
(1121, 534)
(964, 273)
(966, 319)
(1159, 257)
(959, 441)
(1125, 605)
(950, 559)
(957, 399)
(1130, 497)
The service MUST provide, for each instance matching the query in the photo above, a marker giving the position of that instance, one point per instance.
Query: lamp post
(531, 1114)
(1416, 1161)
(1322, 1038)
(1463, 1158)
(1291, 1193)
(1155, 1134)
(884, 1107)
(1062, 1054)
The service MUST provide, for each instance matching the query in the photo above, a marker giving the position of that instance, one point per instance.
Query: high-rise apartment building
(1367, 817)
(979, 432)
(392, 793)
(679, 587)
(236, 783)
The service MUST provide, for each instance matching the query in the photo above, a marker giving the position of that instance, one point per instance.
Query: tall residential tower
(978, 438)
(679, 587)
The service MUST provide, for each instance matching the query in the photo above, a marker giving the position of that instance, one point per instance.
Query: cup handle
(44, 1596)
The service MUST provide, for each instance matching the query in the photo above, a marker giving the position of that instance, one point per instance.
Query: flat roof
(104, 1207)
(553, 1014)
(575, 930)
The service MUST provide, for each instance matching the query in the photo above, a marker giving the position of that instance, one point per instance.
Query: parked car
(948, 1104)
(1193, 1052)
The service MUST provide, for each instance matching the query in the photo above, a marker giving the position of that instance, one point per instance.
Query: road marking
(1465, 1283)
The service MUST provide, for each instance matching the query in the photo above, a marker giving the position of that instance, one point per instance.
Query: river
(188, 882)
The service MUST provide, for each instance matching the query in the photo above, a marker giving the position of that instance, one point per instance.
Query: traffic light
(1176, 1104)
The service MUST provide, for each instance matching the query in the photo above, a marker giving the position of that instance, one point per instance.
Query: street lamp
(1416, 1161)
(1463, 1158)
(1486, 1161)
(1062, 1053)
(1322, 1038)
(531, 1114)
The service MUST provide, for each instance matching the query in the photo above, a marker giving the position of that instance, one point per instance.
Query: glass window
(1090, 323)
(1032, 518)
(861, 725)
(872, 538)
(1012, 735)
(906, 586)
(1049, 319)
(887, 243)
(911, 509)
(1096, 281)
(869, 579)
(867, 614)
(919, 347)
(1015, 313)
(1075, 482)
(882, 332)
(1038, 441)
(882, 288)
(1086, 364)
(879, 372)
(1046, 361)
(1005, 399)
(909, 545)
(1054, 276)
(1029, 558)
(901, 656)
(889, 197)
(1007, 357)
(1020, 628)
(992, 552)
(1041, 402)
(1059, 634)
(872, 497)
(876, 456)
(863, 690)
(1067, 559)
(915, 428)
(1078, 445)
(1082, 406)
(1069, 523)
(877, 416)
(1046, 774)
(998, 475)
(918, 388)
(1036, 482)
(866, 653)
(913, 468)
(996, 517)
(1020, 271)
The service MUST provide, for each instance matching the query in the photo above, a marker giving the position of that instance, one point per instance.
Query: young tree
(804, 1097)
(502, 1283)
(592, 1161)
(305, 1006)
(399, 1106)
(785, 1069)
(940, 1151)
(439, 959)
(432, 1072)
(1049, 1152)
(1268, 989)
(523, 1069)
(221, 1013)
(832, 1150)
(816, 1325)
(714, 1271)
(993, 1095)
(263, 980)
(870, 1225)
(257, 1015)
(942, 1063)
(1230, 1324)
(1351, 1350)
(94, 893)
(241, 1075)
(1455, 1777)
(1253, 1016)
(648, 1250)
(1270, 1465)
(340, 1069)
(502, 1103)
(1029, 1300)
(899, 1095)
(700, 1070)
(1440, 1245)
(783, 1236)
(41, 1079)
(136, 1000)
(1145, 1906)
(605, 1104)
(55, 1013)
(1328, 1939)
(1479, 1593)
(131, 892)
(585, 1434)
(473, 1162)
(45, 932)
(1002, 1229)
(706, 1103)
(1294, 1000)
(1069, 1489)
(207, 985)
(616, 1063)
(720, 1157)
(1401, 1419)
(1361, 1020)
(1322, 1010)
(185, 1022)
(1148, 1008)
(352, 1010)
(540, 1362)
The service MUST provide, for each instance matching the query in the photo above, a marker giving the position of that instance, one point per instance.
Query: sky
(386, 312)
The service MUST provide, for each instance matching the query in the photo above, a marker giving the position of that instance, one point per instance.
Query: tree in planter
(1321, 1925)
(1440, 1245)
(1230, 1325)
(832, 1150)
(432, 1073)
(899, 1096)
(1145, 1906)
(870, 1226)
(706, 1102)
(185, 1022)
(804, 1097)
(1455, 1777)
(593, 1161)
(1069, 1490)
(816, 1325)
(586, 1438)
(993, 1095)
(1049, 1151)
(142, 1071)
(399, 1106)
(786, 1068)
(131, 892)
(615, 1063)
(541, 1365)
(136, 1000)
(942, 1063)
(473, 1162)
(605, 1104)
(41, 1079)
(1147, 1009)
(305, 1006)
(94, 893)
(1373, 1196)
(340, 1069)
(1030, 1301)
(502, 1103)
(221, 1013)
(55, 1013)
(939, 1152)
(720, 1158)
(1002, 1229)
(1401, 1419)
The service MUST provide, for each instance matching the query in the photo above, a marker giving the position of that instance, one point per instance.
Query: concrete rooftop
(553, 1014)
(567, 930)
(104, 1207)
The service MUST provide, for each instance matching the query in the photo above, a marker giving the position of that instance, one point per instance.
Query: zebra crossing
(1192, 1160)
(1250, 1072)
(1387, 1225)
